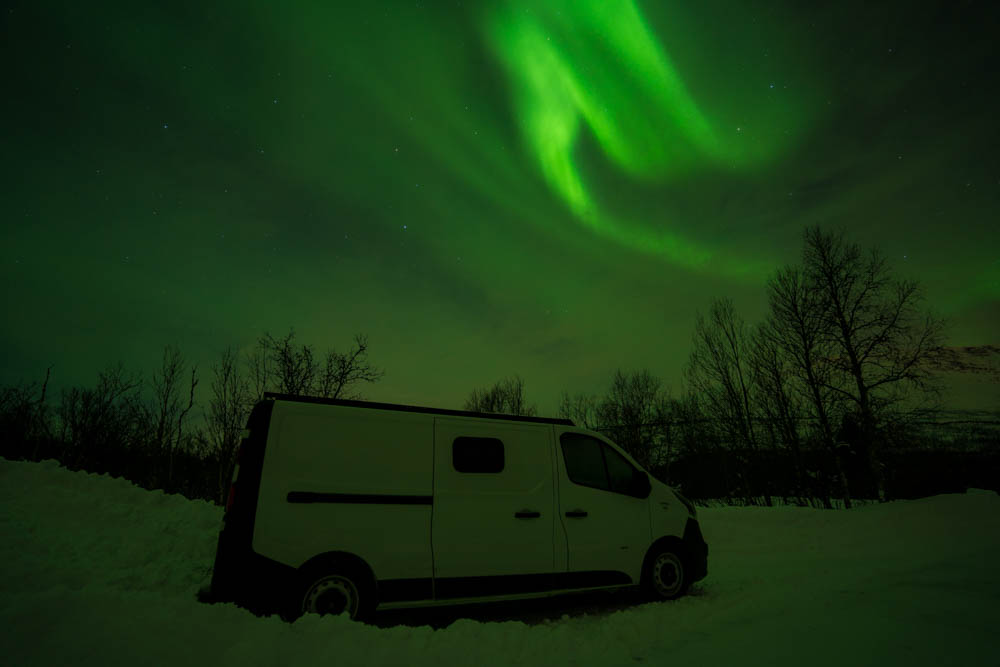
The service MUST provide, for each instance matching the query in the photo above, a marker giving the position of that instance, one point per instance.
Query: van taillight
(236, 472)
(232, 494)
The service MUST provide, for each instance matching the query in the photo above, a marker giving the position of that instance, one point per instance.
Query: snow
(97, 571)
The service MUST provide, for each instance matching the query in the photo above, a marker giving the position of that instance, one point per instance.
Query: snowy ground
(99, 572)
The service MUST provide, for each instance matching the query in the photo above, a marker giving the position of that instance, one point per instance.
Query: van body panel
(493, 523)
(667, 515)
(382, 458)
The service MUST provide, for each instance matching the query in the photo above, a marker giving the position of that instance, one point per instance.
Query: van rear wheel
(335, 591)
(666, 577)
(332, 595)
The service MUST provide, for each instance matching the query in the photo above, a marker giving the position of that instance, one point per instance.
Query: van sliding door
(494, 506)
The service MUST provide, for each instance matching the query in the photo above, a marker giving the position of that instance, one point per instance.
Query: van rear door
(494, 505)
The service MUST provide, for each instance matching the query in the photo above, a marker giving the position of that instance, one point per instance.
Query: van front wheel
(665, 577)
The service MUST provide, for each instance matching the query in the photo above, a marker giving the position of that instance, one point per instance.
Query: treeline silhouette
(829, 398)
(115, 427)
(832, 398)
(926, 453)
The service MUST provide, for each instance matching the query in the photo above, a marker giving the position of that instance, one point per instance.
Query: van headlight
(687, 503)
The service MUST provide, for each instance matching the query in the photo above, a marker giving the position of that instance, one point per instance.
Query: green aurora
(487, 188)
(607, 70)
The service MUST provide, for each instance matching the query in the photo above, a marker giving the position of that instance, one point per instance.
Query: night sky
(484, 188)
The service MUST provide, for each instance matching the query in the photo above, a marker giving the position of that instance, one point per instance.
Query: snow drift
(98, 571)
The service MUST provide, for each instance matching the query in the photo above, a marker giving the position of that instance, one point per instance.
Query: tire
(332, 591)
(665, 576)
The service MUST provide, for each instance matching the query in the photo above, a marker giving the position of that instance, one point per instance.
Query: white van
(354, 506)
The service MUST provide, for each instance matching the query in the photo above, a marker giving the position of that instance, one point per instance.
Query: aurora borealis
(607, 71)
(484, 188)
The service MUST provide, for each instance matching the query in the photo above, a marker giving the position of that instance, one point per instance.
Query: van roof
(270, 395)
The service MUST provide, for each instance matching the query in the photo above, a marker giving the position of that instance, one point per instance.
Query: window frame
(503, 454)
(604, 460)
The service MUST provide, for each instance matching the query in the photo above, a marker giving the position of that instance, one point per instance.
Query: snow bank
(98, 571)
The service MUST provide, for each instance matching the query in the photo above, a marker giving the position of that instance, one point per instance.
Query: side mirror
(640, 486)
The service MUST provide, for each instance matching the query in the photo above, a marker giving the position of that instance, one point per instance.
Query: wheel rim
(668, 574)
(331, 595)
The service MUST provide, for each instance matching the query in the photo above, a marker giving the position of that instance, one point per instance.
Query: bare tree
(342, 371)
(691, 431)
(291, 370)
(98, 424)
(167, 412)
(885, 345)
(505, 397)
(181, 416)
(24, 420)
(165, 398)
(259, 367)
(719, 369)
(228, 410)
(278, 363)
(795, 329)
(581, 408)
(635, 414)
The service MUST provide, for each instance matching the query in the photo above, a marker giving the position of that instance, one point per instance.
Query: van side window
(584, 463)
(619, 470)
(477, 454)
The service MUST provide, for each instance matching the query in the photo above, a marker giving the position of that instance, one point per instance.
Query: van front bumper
(697, 551)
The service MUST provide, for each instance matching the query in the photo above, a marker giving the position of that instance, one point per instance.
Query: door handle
(576, 513)
(527, 514)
